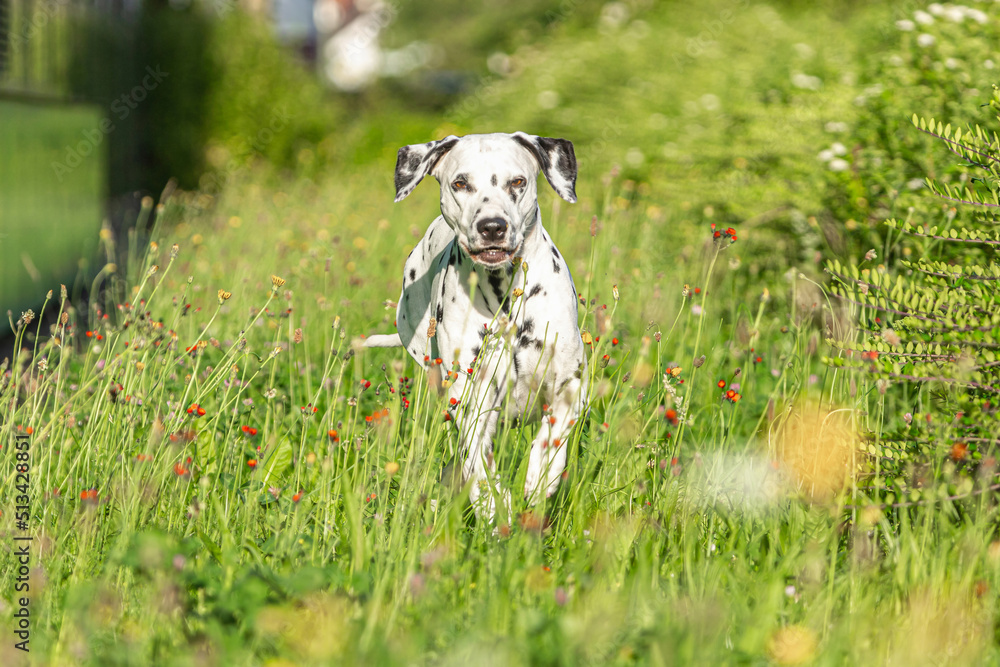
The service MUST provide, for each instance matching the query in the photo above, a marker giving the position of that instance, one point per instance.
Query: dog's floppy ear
(416, 161)
(557, 161)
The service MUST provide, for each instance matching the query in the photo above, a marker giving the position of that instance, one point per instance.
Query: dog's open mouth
(491, 256)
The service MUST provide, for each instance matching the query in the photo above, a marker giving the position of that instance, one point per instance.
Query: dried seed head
(593, 226)
(27, 316)
(49, 295)
(174, 249)
(614, 292)
(297, 336)
(432, 328)
(152, 270)
(64, 318)
(62, 292)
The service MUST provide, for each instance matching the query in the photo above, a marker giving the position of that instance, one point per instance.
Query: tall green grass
(737, 535)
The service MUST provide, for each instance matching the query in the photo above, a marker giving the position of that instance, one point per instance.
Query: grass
(56, 214)
(739, 535)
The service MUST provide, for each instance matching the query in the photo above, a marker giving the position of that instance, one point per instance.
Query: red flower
(614, 341)
(438, 361)
(252, 463)
(721, 384)
(180, 469)
(333, 435)
(454, 401)
(297, 497)
(671, 416)
(250, 431)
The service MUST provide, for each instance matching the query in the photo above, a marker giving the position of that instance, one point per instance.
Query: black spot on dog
(485, 199)
(494, 180)
(497, 286)
(516, 364)
(528, 326)
(453, 299)
(413, 274)
(562, 385)
(440, 313)
(535, 290)
(538, 344)
(555, 253)
(406, 299)
(555, 265)
(523, 341)
(513, 195)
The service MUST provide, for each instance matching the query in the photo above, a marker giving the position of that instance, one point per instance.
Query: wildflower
(925, 40)
(270, 393)
(870, 255)
(333, 435)
(250, 431)
(252, 463)
(958, 451)
(671, 416)
(614, 292)
(89, 495)
(614, 341)
(758, 359)
(27, 316)
(370, 497)
(518, 292)
(391, 468)
(453, 402)
(297, 497)
(195, 410)
(224, 296)
(180, 470)
(276, 282)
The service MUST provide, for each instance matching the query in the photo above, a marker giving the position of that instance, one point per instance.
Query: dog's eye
(517, 182)
(460, 185)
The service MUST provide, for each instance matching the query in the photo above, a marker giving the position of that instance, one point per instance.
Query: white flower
(825, 155)
(906, 25)
(800, 80)
(634, 157)
(838, 148)
(870, 255)
(989, 64)
(835, 126)
(955, 14)
(951, 63)
(839, 164)
(895, 60)
(976, 15)
(915, 183)
(936, 9)
(925, 40)
(923, 18)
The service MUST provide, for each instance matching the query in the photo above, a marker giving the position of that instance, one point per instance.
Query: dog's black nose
(493, 230)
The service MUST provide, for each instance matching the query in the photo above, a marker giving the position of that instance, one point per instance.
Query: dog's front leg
(548, 450)
(476, 417)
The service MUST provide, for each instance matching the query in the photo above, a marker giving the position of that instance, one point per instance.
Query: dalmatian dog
(489, 301)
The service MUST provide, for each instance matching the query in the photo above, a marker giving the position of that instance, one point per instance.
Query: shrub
(931, 326)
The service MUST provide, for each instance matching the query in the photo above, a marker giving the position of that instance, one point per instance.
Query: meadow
(220, 474)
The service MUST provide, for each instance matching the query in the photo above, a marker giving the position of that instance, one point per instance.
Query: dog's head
(489, 186)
